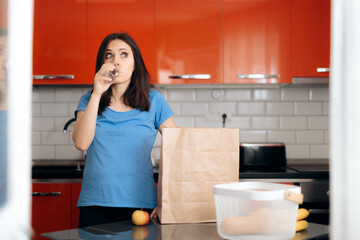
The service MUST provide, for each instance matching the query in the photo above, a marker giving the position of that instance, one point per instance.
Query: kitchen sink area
(57, 169)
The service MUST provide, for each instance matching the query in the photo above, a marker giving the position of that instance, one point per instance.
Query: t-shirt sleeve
(162, 108)
(83, 102)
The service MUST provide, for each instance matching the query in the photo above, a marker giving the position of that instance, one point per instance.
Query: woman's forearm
(85, 125)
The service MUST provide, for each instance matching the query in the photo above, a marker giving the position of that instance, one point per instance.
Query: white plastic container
(256, 210)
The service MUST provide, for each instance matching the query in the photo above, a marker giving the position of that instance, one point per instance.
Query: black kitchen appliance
(262, 156)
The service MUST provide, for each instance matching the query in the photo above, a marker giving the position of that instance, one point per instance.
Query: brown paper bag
(192, 161)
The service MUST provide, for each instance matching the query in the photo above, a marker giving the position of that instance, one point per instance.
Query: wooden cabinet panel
(257, 41)
(189, 41)
(51, 207)
(75, 212)
(310, 37)
(59, 42)
(133, 17)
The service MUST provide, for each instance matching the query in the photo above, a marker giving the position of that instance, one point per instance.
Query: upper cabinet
(188, 41)
(59, 43)
(134, 17)
(257, 41)
(311, 38)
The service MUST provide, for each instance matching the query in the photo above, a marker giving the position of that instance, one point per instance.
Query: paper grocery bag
(192, 161)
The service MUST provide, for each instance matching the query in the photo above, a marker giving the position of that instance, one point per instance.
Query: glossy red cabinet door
(59, 42)
(311, 38)
(51, 208)
(133, 17)
(188, 41)
(257, 41)
(75, 212)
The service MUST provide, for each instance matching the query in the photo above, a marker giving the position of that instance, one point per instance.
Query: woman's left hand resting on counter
(154, 213)
(117, 124)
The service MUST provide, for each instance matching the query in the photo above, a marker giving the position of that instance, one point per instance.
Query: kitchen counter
(296, 169)
(126, 230)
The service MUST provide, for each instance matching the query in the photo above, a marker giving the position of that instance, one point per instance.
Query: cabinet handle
(42, 77)
(191, 76)
(46, 194)
(257, 76)
(323, 69)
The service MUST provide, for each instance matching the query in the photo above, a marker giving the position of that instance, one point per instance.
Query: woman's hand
(102, 80)
(154, 213)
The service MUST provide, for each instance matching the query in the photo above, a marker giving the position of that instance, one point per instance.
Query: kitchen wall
(295, 115)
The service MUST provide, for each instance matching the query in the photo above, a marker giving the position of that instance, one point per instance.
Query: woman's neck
(117, 98)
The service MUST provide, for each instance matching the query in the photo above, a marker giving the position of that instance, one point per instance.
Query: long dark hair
(137, 93)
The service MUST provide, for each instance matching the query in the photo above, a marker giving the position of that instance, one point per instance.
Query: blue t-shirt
(118, 170)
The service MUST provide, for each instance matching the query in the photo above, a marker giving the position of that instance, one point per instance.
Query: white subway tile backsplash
(43, 94)
(36, 109)
(43, 152)
(36, 138)
(238, 122)
(72, 108)
(266, 94)
(319, 122)
(308, 108)
(319, 151)
(60, 123)
(223, 107)
(282, 136)
(319, 94)
(202, 122)
(279, 108)
(237, 94)
(176, 107)
(297, 116)
(194, 108)
(251, 108)
(293, 123)
(55, 109)
(184, 121)
(68, 153)
(54, 138)
(326, 137)
(68, 94)
(209, 94)
(297, 151)
(157, 153)
(158, 140)
(294, 94)
(43, 124)
(253, 135)
(308, 137)
(180, 95)
(265, 122)
(326, 108)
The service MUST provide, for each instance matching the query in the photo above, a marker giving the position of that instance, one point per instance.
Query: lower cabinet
(54, 207)
(75, 192)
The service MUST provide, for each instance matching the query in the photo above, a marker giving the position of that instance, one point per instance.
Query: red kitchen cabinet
(59, 42)
(133, 17)
(188, 41)
(311, 38)
(51, 208)
(75, 212)
(257, 41)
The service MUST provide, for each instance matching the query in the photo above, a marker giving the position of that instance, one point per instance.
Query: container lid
(255, 190)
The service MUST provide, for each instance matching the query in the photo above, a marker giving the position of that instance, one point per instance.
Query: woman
(117, 123)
